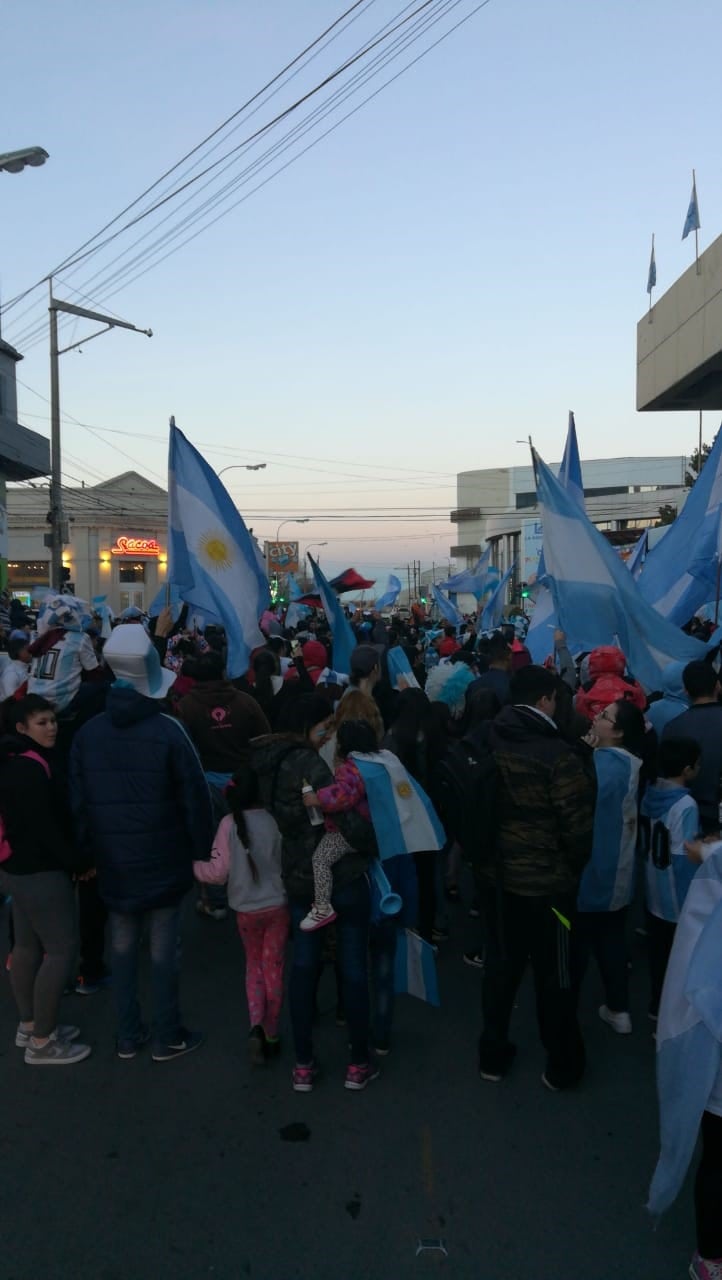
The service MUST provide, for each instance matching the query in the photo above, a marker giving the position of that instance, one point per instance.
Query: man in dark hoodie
(143, 814)
(219, 718)
(542, 839)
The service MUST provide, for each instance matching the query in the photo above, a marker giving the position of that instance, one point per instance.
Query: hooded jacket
(221, 721)
(35, 812)
(140, 801)
(669, 817)
(283, 765)
(607, 683)
(675, 699)
(544, 809)
(703, 723)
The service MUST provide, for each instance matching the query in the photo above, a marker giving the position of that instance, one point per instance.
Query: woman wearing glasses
(607, 885)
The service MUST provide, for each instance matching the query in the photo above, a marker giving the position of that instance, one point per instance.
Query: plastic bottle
(314, 811)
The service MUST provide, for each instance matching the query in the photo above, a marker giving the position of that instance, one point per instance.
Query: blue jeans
(382, 953)
(126, 931)
(353, 906)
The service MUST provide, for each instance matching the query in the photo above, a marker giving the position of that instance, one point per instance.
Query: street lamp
(308, 548)
(15, 161)
(243, 466)
(292, 520)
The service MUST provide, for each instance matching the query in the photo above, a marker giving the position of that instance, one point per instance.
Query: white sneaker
(317, 918)
(22, 1038)
(619, 1022)
(56, 1053)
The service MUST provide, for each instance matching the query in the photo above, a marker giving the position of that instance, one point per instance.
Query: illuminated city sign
(135, 547)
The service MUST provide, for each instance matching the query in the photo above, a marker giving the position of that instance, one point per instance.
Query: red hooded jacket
(607, 683)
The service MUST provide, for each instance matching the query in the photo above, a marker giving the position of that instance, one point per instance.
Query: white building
(499, 505)
(117, 540)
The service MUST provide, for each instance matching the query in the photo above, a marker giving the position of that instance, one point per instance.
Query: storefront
(117, 544)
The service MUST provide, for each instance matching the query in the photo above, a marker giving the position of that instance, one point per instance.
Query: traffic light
(422, 600)
(524, 591)
(65, 574)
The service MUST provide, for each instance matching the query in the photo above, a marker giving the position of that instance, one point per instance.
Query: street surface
(134, 1170)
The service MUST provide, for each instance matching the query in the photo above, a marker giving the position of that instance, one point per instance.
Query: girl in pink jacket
(246, 855)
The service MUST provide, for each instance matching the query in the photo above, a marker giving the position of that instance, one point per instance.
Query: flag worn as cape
(403, 817)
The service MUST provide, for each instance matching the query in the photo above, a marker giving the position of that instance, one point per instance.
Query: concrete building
(117, 540)
(499, 505)
(24, 455)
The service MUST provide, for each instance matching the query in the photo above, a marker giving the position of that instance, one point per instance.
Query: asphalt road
(130, 1170)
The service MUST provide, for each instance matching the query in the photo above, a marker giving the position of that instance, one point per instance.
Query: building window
(131, 573)
(131, 600)
(28, 573)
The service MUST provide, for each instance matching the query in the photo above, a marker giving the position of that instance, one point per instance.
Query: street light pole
(243, 466)
(58, 532)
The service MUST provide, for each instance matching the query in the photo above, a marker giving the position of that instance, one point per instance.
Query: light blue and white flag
(692, 222)
(493, 611)
(540, 636)
(391, 593)
(344, 640)
(597, 600)
(680, 572)
(689, 1031)
(636, 561)
(400, 674)
(102, 610)
(211, 555)
(403, 817)
(415, 968)
(296, 613)
(652, 273)
(570, 471)
(446, 607)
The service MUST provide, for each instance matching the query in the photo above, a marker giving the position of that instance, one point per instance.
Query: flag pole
(651, 286)
(699, 456)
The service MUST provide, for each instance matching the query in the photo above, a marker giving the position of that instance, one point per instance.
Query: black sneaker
(474, 958)
(127, 1049)
(256, 1047)
(439, 935)
(186, 1043)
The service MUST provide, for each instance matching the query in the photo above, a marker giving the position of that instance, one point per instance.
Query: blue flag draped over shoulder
(391, 593)
(689, 1030)
(446, 607)
(680, 572)
(403, 817)
(344, 641)
(597, 600)
(211, 555)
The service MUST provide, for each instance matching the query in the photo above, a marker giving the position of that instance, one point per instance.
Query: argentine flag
(403, 817)
(494, 607)
(680, 572)
(692, 222)
(212, 558)
(446, 607)
(344, 641)
(399, 668)
(597, 600)
(391, 593)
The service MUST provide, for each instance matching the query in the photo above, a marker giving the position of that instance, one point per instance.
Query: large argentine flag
(680, 572)
(391, 593)
(540, 636)
(689, 1030)
(479, 581)
(446, 607)
(596, 599)
(211, 555)
(404, 818)
(344, 641)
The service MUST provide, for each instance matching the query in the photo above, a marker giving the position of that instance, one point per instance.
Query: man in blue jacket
(143, 814)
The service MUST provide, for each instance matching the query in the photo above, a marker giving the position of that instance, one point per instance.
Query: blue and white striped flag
(570, 471)
(652, 273)
(400, 674)
(493, 611)
(597, 600)
(211, 555)
(680, 572)
(446, 607)
(344, 641)
(638, 556)
(415, 971)
(391, 593)
(404, 818)
(692, 222)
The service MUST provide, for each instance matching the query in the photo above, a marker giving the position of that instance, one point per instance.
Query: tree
(667, 515)
(694, 466)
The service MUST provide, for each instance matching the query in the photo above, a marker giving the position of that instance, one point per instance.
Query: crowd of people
(336, 810)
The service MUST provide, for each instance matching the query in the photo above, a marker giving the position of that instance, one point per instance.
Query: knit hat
(133, 659)
(315, 658)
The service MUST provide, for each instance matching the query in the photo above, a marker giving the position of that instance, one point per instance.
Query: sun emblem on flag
(214, 551)
(404, 789)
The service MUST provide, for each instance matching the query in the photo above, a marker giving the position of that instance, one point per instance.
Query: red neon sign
(135, 547)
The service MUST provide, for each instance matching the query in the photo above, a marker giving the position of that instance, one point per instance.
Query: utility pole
(58, 524)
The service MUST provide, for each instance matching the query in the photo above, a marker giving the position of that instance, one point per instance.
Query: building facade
(117, 544)
(499, 505)
(24, 454)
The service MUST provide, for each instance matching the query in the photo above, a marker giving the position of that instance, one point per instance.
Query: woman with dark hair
(418, 739)
(287, 762)
(607, 884)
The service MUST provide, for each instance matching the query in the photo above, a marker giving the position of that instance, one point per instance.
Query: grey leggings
(46, 943)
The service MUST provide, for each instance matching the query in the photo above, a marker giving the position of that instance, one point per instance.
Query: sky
(450, 270)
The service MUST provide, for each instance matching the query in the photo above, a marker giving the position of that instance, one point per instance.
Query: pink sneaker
(358, 1075)
(317, 918)
(304, 1078)
(705, 1268)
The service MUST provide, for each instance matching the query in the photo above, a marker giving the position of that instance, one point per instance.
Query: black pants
(603, 934)
(660, 936)
(518, 930)
(426, 876)
(93, 919)
(708, 1189)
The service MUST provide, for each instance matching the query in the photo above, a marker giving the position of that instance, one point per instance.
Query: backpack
(465, 788)
(5, 849)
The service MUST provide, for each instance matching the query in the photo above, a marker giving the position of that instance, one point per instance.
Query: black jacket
(35, 813)
(141, 803)
(703, 723)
